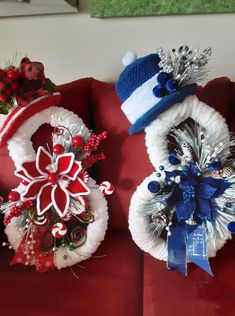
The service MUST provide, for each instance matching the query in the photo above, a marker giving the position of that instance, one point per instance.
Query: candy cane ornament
(106, 188)
(59, 230)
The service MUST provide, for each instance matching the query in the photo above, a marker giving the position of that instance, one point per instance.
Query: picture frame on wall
(10, 8)
(115, 8)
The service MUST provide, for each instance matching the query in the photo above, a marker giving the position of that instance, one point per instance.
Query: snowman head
(152, 84)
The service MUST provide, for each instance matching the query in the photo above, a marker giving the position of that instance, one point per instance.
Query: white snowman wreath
(184, 211)
(57, 216)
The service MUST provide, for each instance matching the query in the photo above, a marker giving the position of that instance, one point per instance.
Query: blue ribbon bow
(193, 198)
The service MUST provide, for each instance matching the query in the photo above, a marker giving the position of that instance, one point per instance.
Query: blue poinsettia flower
(192, 194)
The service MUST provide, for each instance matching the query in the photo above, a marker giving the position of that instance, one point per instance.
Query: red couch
(123, 281)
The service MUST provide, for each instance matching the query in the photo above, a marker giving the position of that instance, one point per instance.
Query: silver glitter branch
(204, 147)
(185, 65)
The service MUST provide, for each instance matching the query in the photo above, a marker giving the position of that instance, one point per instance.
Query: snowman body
(143, 203)
(182, 211)
(88, 232)
(57, 215)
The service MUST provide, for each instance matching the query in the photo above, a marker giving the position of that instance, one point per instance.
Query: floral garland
(57, 216)
(182, 212)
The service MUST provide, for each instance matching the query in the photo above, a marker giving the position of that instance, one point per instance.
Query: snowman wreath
(57, 216)
(185, 210)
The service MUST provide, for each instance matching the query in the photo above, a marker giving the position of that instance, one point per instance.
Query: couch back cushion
(127, 162)
(220, 94)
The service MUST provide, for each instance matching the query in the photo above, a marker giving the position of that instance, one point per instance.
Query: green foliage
(50, 86)
(5, 107)
(109, 8)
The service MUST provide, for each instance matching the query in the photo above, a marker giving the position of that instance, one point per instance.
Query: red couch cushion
(109, 285)
(220, 94)
(170, 293)
(127, 162)
(75, 97)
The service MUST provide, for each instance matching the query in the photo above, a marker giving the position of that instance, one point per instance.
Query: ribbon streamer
(176, 244)
(187, 243)
(29, 251)
(197, 248)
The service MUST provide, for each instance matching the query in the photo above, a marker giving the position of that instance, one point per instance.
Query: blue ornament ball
(173, 160)
(162, 78)
(159, 91)
(172, 85)
(231, 227)
(153, 186)
(216, 165)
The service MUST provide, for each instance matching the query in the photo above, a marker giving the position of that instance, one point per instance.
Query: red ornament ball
(52, 177)
(13, 196)
(77, 141)
(13, 74)
(58, 149)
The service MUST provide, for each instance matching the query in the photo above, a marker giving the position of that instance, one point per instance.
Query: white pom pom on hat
(128, 58)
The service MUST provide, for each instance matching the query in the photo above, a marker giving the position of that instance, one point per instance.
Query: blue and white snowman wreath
(184, 211)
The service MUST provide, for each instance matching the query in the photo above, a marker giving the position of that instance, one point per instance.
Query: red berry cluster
(89, 161)
(16, 211)
(94, 141)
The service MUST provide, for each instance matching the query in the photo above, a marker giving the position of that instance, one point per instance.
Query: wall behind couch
(74, 45)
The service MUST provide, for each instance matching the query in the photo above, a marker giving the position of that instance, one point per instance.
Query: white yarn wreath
(156, 143)
(21, 150)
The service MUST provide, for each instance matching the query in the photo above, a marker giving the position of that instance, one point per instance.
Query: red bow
(25, 83)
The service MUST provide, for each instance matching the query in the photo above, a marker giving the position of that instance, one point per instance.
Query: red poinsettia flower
(52, 182)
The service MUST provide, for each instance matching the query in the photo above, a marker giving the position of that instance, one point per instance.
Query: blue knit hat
(150, 85)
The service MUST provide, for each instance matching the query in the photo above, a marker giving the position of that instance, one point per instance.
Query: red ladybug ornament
(58, 149)
(77, 141)
(13, 196)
